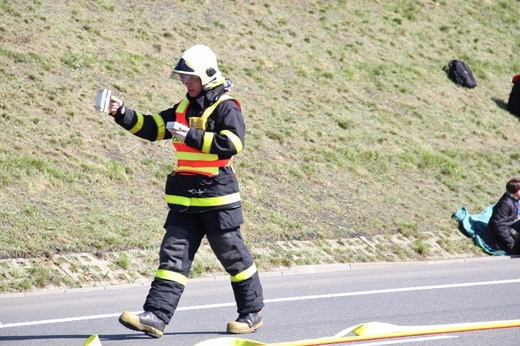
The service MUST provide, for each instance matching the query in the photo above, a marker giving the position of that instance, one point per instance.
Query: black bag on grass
(513, 104)
(461, 74)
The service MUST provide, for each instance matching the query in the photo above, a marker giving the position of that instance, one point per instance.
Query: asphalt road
(299, 305)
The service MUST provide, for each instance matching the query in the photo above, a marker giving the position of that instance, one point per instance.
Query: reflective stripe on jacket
(191, 160)
(203, 180)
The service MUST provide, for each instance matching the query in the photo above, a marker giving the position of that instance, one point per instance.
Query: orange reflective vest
(195, 161)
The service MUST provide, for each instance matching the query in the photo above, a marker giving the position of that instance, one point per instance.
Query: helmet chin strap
(212, 91)
(212, 85)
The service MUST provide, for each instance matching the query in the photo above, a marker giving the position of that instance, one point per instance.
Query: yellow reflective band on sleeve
(246, 274)
(161, 127)
(207, 141)
(171, 276)
(234, 139)
(139, 124)
(203, 201)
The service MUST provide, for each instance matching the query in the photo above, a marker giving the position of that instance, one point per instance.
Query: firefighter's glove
(115, 105)
(180, 131)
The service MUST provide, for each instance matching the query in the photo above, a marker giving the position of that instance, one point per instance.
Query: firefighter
(207, 130)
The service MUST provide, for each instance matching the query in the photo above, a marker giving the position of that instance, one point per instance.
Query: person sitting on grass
(504, 225)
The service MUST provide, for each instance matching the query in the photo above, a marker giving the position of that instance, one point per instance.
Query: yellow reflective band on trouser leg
(171, 276)
(246, 274)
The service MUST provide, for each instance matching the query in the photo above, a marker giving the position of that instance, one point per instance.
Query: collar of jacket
(512, 196)
(207, 98)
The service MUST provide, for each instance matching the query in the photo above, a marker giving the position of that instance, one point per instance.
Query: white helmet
(199, 61)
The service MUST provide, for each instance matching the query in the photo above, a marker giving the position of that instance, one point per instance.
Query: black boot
(145, 322)
(245, 323)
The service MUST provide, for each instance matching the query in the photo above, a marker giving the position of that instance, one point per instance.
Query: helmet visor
(182, 70)
(188, 78)
(181, 75)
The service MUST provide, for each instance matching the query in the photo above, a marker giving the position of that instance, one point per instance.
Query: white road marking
(396, 290)
(278, 300)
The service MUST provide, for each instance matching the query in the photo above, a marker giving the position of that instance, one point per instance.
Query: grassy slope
(353, 127)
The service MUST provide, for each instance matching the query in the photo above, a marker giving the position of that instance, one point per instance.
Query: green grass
(353, 127)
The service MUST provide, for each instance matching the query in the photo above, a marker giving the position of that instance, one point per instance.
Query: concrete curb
(296, 270)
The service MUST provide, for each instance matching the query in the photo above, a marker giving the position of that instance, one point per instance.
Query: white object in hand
(103, 100)
(173, 125)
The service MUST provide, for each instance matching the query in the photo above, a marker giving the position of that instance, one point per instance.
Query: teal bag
(474, 226)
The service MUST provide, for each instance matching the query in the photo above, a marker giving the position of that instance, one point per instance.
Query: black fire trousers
(184, 233)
